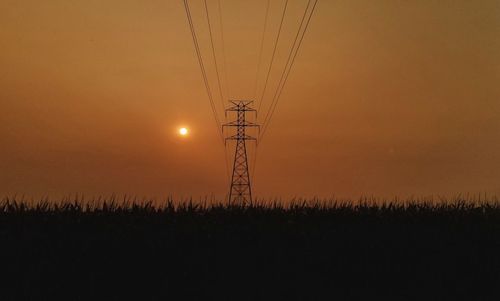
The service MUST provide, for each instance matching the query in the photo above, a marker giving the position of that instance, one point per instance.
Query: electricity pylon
(240, 191)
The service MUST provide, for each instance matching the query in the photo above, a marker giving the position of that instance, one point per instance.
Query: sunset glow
(183, 131)
(384, 97)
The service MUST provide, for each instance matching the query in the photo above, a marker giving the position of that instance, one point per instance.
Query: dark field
(334, 251)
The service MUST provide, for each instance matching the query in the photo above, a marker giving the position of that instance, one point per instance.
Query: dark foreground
(335, 252)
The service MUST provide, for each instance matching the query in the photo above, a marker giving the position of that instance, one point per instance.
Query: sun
(183, 131)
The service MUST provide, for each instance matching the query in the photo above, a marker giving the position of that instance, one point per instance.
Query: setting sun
(183, 131)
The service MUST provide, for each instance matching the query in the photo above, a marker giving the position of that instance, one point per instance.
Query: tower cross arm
(240, 137)
(244, 124)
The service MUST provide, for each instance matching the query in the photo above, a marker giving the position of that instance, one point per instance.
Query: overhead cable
(202, 68)
(259, 63)
(265, 126)
(272, 57)
(213, 55)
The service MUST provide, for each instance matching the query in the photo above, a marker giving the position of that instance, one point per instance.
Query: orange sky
(386, 98)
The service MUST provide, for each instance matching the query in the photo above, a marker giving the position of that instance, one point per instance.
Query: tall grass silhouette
(303, 249)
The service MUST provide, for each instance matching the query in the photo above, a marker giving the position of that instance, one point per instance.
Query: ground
(307, 252)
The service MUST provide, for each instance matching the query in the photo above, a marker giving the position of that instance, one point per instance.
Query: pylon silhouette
(240, 191)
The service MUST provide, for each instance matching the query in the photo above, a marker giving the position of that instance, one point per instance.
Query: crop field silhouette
(301, 250)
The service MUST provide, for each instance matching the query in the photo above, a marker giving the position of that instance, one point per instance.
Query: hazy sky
(386, 98)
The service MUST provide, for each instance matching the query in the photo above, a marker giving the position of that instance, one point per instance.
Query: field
(110, 250)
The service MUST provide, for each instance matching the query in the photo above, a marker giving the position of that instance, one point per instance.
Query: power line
(287, 61)
(272, 57)
(202, 68)
(261, 48)
(224, 62)
(265, 126)
(217, 71)
(226, 81)
(282, 82)
(254, 161)
(214, 56)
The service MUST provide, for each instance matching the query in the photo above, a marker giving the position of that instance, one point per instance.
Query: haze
(386, 98)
